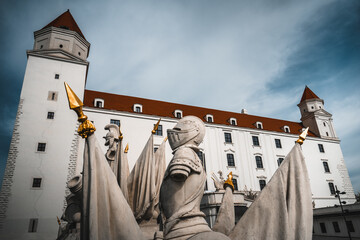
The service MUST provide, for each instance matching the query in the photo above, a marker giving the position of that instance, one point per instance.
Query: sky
(226, 55)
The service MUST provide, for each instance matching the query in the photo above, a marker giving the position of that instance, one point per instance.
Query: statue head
(190, 130)
(113, 134)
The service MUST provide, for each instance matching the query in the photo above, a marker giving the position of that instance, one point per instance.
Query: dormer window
(233, 121)
(178, 113)
(137, 108)
(286, 129)
(209, 118)
(259, 125)
(99, 103)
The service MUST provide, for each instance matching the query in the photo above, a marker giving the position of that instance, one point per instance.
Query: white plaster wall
(47, 202)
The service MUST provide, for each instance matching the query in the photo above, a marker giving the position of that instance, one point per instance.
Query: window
(321, 148)
(115, 121)
(159, 130)
(233, 121)
(262, 184)
(155, 149)
(50, 115)
(255, 140)
(61, 46)
(350, 226)
(57, 76)
(323, 228)
(209, 118)
(52, 96)
(336, 226)
(228, 137)
(201, 156)
(33, 225)
(36, 182)
(234, 181)
(277, 143)
(327, 134)
(324, 124)
(178, 114)
(98, 104)
(259, 162)
(230, 159)
(137, 108)
(259, 125)
(280, 160)
(326, 167)
(286, 129)
(41, 147)
(332, 188)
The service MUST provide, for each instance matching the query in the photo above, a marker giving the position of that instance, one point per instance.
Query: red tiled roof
(166, 109)
(66, 21)
(308, 94)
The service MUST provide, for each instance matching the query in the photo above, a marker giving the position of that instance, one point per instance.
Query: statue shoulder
(187, 156)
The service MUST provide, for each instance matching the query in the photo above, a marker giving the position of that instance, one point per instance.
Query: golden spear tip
(303, 136)
(156, 127)
(120, 134)
(228, 182)
(126, 148)
(58, 220)
(165, 139)
(74, 101)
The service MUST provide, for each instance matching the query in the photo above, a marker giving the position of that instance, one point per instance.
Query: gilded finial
(86, 128)
(156, 127)
(228, 182)
(303, 136)
(58, 220)
(120, 134)
(126, 148)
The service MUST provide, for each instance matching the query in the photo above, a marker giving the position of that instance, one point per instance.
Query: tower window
(278, 143)
(262, 184)
(255, 140)
(326, 167)
(50, 115)
(36, 182)
(52, 96)
(33, 225)
(115, 121)
(230, 159)
(321, 148)
(327, 134)
(324, 124)
(159, 131)
(280, 160)
(155, 149)
(228, 137)
(57, 76)
(61, 46)
(79, 53)
(234, 181)
(41, 147)
(259, 162)
(332, 188)
(41, 46)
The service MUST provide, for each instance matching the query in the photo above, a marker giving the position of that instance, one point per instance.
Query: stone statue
(111, 140)
(183, 184)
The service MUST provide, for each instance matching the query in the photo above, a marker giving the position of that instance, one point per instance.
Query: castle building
(46, 151)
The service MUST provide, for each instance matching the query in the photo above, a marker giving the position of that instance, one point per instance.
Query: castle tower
(43, 148)
(314, 116)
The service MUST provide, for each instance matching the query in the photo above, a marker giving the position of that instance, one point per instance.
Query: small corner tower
(314, 116)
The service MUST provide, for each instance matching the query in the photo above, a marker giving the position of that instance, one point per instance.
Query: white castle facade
(46, 151)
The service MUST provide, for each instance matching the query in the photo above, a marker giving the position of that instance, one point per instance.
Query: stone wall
(5, 193)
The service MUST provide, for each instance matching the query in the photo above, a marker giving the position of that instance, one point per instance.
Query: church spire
(65, 21)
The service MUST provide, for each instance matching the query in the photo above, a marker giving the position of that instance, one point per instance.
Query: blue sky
(226, 55)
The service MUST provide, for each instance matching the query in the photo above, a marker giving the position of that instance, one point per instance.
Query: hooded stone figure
(183, 184)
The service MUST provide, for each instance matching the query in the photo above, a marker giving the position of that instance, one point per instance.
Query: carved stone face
(189, 130)
(109, 139)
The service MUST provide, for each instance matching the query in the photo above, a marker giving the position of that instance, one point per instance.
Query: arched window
(259, 162)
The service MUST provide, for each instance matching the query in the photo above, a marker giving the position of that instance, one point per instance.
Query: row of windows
(349, 226)
(258, 160)
(262, 184)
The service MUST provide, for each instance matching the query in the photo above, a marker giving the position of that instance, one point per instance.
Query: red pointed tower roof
(65, 21)
(308, 94)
